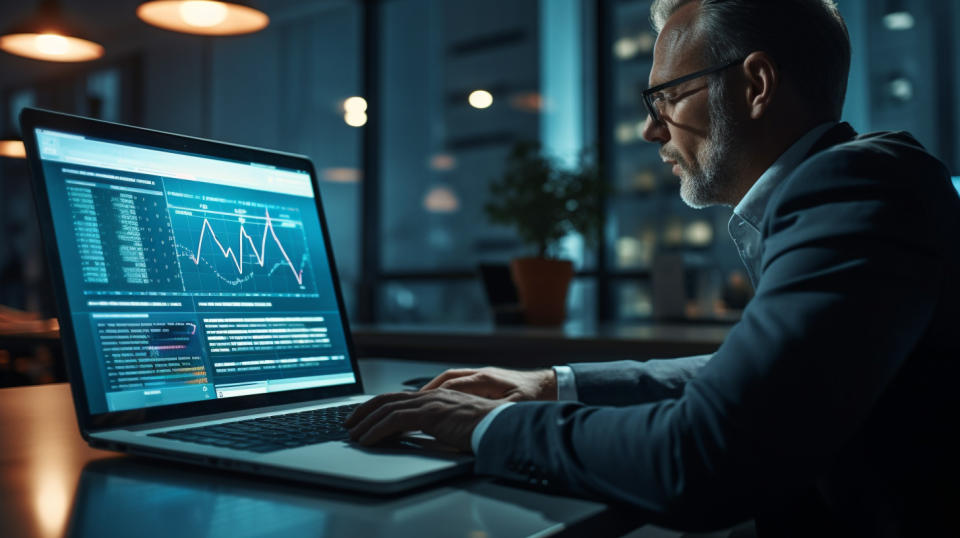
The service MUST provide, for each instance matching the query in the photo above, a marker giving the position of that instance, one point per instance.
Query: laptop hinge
(232, 414)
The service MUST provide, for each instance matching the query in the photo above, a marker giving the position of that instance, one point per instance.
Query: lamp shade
(13, 149)
(203, 17)
(47, 35)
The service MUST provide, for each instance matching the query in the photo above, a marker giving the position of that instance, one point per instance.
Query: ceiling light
(47, 35)
(626, 48)
(443, 162)
(342, 175)
(13, 149)
(355, 118)
(441, 199)
(901, 89)
(203, 14)
(699, 233)
(355, 105)
(899, 20)
(203, 17)
(480, 99)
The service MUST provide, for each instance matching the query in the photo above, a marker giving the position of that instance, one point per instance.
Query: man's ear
(762, 79)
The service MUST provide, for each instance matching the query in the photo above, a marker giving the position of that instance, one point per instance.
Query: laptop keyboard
(267, 434)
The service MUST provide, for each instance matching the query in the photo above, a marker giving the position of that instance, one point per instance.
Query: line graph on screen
(240, 252)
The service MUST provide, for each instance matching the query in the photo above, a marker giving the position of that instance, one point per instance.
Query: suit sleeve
(846, 292)
(634, 382)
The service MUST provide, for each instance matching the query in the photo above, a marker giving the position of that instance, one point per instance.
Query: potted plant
(545, 202)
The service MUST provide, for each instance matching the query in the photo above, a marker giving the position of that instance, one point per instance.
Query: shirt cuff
(566, 384)
(484, 424)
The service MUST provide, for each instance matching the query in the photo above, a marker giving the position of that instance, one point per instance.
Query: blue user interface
(190, 277)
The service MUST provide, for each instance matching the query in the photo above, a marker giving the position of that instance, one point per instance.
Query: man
(830, 407)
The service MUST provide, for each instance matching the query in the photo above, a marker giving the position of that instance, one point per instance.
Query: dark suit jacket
(834, 399)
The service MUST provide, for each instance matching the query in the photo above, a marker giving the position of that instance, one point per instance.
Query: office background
(404, 173)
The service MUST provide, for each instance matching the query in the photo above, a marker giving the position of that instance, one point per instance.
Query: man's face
(696, 135)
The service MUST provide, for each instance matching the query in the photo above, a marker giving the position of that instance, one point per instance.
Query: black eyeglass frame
(649, 92)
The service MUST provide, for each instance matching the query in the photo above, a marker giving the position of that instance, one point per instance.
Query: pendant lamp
(203, 17)
(12, 148)
(46, 35)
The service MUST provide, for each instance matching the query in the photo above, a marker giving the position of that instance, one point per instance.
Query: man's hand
(498, 383)
(448, 415)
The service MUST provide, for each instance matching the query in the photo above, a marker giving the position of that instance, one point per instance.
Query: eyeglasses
(654, 100)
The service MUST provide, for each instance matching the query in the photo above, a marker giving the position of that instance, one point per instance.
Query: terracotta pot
(542, 285)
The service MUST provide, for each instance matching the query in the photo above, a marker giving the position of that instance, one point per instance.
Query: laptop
(200, 309)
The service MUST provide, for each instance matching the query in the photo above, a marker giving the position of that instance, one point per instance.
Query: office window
(909, 63)
(646, 217)
(459, 84)
(288, 88)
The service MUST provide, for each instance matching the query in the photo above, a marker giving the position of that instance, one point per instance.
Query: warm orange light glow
(203, 17)
(203, 13)
(527, 102)
(441, 200)
(12, 148)
(51, 47)
(342, 175)
(51, 497)
(443, 162)
(51, 44)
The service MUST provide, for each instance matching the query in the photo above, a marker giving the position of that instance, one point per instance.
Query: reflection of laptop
(200, 309)
(130, 497)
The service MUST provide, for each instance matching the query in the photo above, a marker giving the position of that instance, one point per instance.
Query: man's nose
(655, 131)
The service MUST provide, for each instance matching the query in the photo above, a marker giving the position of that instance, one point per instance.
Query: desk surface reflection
(52, 484)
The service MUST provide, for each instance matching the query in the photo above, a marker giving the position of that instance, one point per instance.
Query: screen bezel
(32, 119)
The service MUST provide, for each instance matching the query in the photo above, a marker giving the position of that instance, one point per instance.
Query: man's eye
(661, 98)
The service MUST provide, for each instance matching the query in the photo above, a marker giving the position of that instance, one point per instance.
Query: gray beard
(709, 182)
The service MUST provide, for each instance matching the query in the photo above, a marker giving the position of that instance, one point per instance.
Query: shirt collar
(754, 203)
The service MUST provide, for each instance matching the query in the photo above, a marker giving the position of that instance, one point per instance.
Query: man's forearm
(633, 382)
(625, 382)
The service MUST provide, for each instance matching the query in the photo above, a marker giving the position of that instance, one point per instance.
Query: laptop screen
(190, 277)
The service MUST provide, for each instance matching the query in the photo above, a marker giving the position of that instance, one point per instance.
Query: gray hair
(807, 39)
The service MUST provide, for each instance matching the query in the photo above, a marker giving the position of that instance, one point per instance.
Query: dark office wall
(281, 88)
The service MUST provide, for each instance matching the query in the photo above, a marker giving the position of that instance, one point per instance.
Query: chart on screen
(241, 247)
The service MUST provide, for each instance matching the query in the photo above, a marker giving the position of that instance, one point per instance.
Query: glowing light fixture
(355, 111)
(528, 102)
(203, 14)
(13, 149)
(355, 104)
(900, 20)
(355, 119)
(46, 35)
(626, 48)
(901, 89)
(442, 162)
(342, 175)
(441, 199)
(896, 16)
(699, 233)
(480, 99)
(204, 17)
